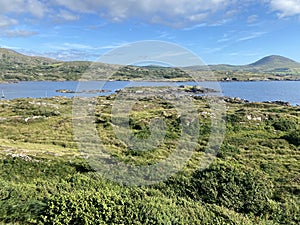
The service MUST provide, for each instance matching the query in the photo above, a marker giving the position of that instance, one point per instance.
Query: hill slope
(45, 180)
(275, 61)
(16, 66)
(273, 67)
(9, 57)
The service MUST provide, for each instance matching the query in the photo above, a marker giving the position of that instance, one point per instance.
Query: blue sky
(218, 31)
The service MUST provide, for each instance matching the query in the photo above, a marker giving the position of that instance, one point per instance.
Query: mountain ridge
(264, 60)
(270, 59)
(20, 67)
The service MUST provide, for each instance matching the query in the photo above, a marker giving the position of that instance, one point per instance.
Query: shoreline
(69, 88)
(111, 80)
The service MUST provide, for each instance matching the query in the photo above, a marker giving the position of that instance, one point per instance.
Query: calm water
(288, 91)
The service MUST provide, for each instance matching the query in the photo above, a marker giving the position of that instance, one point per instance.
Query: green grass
(44, 179)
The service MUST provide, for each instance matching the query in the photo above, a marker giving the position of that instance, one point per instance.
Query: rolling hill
(268, 63)
(275, 61)
(9, 57)
(19, 67)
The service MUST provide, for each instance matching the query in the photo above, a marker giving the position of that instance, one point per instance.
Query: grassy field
(255, 178)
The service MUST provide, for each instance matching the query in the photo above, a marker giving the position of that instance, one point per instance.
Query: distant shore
(154, 80)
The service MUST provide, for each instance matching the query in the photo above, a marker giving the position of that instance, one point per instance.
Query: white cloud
(213, 50)
(251, 36)
(9, 11)
(286, 7)
(17, 33)
(110, 47)
(36, 8)
(72, 55)
(6, 21)
(200, 25)
(77, 46)
(68, 16)
(252, 19)
(176, 13)
(187, 11)
(225, 39)
(11, 6)
(10, 47)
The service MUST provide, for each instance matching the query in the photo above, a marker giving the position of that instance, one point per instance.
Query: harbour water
(259, 91)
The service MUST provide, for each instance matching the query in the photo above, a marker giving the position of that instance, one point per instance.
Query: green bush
(238, 188)
(134, 207)
(284, 124)
(293, 137)
(226, 150)
(287, 212)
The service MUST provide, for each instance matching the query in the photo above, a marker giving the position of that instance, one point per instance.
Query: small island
(84, 91)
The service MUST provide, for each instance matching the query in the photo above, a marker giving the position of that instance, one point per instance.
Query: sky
(217, 31)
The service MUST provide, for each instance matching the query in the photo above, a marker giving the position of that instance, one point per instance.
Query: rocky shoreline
(84, 91)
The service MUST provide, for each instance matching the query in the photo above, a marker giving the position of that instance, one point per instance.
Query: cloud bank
(152, 10)
(179, 13)
(37, 8)
(286, 7)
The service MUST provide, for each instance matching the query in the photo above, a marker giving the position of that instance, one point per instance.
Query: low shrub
(293, 137)
(241, 189)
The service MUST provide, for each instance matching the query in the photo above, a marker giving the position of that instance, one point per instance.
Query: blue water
(288, 91)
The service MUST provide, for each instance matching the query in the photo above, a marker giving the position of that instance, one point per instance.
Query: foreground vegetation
(255, 178)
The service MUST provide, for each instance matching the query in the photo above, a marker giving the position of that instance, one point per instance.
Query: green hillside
(275, 61)
(18, 67)
(11, 57)
(277, 65)
(45, 180)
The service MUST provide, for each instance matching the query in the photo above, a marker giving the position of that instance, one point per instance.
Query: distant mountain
(268, 64)
(275, 61)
